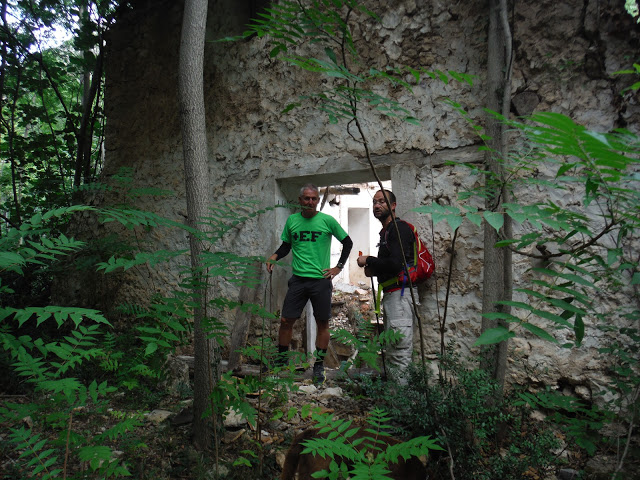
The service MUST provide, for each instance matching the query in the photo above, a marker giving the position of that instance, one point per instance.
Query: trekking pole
(375, 310)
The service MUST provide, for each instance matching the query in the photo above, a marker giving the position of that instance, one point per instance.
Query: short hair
(389, 194)
(309, 186)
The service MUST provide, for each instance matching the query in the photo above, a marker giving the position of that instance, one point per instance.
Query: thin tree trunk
(194, 140)
(3, 54)
(16, 220)
(16, 217)
(91, 83)
(86, 129)
(497, 261)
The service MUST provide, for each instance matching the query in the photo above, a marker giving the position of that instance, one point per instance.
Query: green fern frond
(32, 451)
(59, 314)
(131, 218)
(141, 258)
(126, 423)
(131, 309)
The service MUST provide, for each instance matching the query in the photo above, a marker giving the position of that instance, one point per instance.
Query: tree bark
(497, 261)
(194, 143)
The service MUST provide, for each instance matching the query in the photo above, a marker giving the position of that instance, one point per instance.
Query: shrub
(485, 436)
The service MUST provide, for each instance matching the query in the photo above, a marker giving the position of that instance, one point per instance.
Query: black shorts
(302, 289)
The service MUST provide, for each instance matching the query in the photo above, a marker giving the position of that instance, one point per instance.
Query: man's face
(380, 207)
(309, 200)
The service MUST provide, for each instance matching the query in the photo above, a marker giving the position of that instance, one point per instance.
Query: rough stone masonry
(565, 52)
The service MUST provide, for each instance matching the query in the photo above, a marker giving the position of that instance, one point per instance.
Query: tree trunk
(91, 82)
(3, 54)
(497, 261)
(194, 140)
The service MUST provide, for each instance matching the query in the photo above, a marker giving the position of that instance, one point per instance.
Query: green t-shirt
(310, 240)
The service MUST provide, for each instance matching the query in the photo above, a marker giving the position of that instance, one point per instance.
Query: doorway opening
(350, 205)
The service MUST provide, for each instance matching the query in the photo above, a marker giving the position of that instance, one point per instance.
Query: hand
(331, 272)
(270, 264)
(362, 260)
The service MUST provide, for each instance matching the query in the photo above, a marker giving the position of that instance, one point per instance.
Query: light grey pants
(399, 317)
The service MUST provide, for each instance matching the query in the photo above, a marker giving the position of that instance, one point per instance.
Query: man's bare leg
(285, 333)
(322, 336)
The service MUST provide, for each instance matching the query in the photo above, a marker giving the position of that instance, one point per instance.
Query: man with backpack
(401, 255)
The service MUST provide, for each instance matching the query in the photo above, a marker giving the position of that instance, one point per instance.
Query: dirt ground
(269, 440)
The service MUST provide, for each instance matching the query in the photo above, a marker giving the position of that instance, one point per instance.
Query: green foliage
(57, 368)
(166, 322)
(631, 6)
(583, 251)
(361, 457)
(231, 393)
(32, 452)
(580, 422)
(272, 385)
(28, 245)
(365, 341)
(486, 437)
(158, 330)
(53, 367)
(52, 132)
(636, 71)
(584, 248)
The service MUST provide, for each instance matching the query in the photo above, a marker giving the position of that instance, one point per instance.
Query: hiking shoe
(319, 377)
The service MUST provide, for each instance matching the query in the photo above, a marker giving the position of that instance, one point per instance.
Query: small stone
(308, 389)
(220, 471)
(568, 474)
(233, 435)
(537, 415)
(280, 456)
(158, 416)
(331, 392)
(234, 419)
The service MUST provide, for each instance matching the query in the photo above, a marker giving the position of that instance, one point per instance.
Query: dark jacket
(388, 264)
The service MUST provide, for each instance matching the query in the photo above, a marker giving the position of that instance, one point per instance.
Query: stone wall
(565, 52)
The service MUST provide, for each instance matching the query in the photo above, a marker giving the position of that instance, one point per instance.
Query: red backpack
(422, 267)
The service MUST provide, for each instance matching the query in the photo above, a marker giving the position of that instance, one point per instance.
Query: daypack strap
(377, 307)
(396, 280)
(378, 298)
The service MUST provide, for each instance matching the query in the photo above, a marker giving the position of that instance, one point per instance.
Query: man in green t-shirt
(308, 235)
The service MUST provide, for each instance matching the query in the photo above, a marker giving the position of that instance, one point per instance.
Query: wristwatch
(340, 265)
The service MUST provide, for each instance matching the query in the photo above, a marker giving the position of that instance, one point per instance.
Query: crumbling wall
(565, 53)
